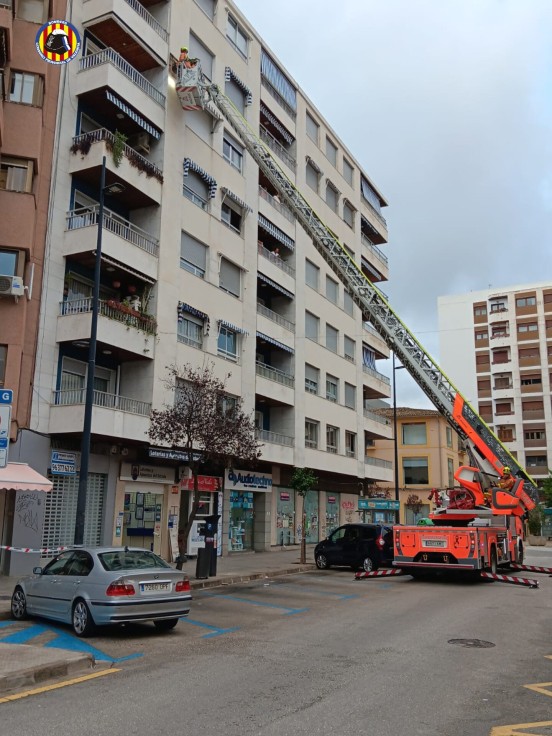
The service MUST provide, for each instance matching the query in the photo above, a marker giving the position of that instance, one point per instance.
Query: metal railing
(150, 20)
(376, 417)
(282, 208)
(278, 97)
(275, 317)
(195, 198)
(274, 437)
(111, 56)
(275, 145)
(72, 397)
(88, 216)
(377, 462)
(374, 211)
(374, 250)
(112, 310)
(102, 134)
(274, 374)
(276, 260)
(189, 341)
(376, 374)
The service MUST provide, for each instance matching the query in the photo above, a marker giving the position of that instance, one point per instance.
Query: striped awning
(182, 308)
(235, 328)
(286, 135)
(133, 115)
(280, 236)
(230, 75)
(234, 197)
(190, 165)
(274, 285)
(274, 342)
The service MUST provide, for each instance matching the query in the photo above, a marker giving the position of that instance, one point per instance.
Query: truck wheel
(493, 566)
(520, 554)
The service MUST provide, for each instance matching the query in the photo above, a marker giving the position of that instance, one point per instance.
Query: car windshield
(130, 560)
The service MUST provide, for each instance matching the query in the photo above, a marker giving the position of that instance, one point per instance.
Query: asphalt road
(318, 653)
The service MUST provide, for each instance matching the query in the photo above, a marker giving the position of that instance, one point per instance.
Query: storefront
(378, 510)
(210, 502)
(311, 513)
(332, 514)
(285, 517)
(248, 511)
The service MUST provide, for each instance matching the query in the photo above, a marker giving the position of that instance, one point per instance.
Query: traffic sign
(6, 396)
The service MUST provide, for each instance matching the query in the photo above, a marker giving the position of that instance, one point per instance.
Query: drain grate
(472, 643)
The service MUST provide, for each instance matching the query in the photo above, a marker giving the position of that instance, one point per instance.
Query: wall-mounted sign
(207, 483)
(284, 496)
(63, 463)
(242, 480)
(379, 504)
(147, 473)
(332, 499)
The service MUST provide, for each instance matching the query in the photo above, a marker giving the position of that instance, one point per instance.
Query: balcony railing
(190, 341)
(72, 397)
(376, 374)
(266, 312)
(148, 17)
(282, 208)
(88, 216)
(275, 437)
(378, 462)
(276, 260)
(83, 142)
(277, 147)
(376, 252)
(110, 56)
(372, 330)
(274, 374)
(374, 211)
(376, 417)
(113, 310)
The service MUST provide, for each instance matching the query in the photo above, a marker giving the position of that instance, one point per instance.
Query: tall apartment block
(201, 264)
(496, 346)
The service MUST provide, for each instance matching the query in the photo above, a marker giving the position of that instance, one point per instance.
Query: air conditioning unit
(140, 142)
(11, 286)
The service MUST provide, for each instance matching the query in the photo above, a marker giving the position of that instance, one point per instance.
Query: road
(318, 653)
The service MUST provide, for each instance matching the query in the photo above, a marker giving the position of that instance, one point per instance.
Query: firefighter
(507, 480)
(185, 59)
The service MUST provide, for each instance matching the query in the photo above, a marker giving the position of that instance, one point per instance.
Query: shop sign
(284, 496)
(379, 504)
(242, 480)
(162, 453)
(332, 499)
(207, 483)
(147, 473)
(63, 463)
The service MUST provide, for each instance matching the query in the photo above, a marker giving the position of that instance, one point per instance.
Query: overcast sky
(447, 105)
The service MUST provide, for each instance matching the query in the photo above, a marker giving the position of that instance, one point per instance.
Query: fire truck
(482, 526)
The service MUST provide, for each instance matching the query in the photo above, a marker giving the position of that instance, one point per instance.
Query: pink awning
(21, 477)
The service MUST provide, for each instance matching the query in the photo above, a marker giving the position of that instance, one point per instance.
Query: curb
(232, 579)
(40, 674)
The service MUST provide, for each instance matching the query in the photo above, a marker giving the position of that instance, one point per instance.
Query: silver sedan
(96, 586)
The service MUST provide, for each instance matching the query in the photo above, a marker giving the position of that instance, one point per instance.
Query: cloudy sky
(447, 104)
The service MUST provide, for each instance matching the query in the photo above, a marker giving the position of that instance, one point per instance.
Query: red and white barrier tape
(510, 579)
(531, 568)
(33, 551)
(379, 573)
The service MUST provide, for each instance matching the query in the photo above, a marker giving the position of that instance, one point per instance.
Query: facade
(429, 452)
(28, 104)
(496, 346)
(201, 262)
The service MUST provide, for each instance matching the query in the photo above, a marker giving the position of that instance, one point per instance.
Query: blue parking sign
(6, 396)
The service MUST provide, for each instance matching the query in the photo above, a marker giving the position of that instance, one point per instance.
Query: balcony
(377, 425)
(377, 342)
(374, 253)
(275, 317)
(278, 149)
(278, 206)
(274, 374)
(278, 263)
(275, 438)
(275, 384)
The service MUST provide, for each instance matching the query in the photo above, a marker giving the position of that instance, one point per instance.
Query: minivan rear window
(130, 560)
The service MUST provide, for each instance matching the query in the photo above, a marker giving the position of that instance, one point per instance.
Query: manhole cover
(473, 643)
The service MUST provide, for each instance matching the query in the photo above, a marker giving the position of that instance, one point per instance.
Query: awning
(182, 307)
(234, 197)
(280, 236)
(271, 340)
(371, 269)
(133, 115)
(235, 328)
(314, 165)
(274, 285)
(21, 477)
(286, 135)
(128, 269)
(230, 75)
(190, 165)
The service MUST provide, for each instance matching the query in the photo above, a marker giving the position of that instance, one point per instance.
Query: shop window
(237, 36)
(232, 152)
(27, 89)
(414, 434)
(193, 255)
(415, 470)
(312, 379)
(16, 174)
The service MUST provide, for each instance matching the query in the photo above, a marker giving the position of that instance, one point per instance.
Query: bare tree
(208, 426)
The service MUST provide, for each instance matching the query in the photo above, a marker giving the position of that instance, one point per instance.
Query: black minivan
(366, 546)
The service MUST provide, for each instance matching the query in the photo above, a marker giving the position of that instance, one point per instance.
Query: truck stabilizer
(380, 573)
(495, 577)
(531, 568)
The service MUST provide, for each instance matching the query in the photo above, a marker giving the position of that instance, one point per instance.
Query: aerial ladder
(487, 454)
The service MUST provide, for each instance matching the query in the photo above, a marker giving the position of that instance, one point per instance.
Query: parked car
(366, 546)
(97, 586)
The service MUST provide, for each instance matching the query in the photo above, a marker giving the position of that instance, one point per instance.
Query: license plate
(433, 543)
(154, 587)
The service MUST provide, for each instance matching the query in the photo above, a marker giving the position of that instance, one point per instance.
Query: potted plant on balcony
(117, 147)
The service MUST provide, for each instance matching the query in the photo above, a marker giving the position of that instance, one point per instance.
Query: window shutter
(230, 277)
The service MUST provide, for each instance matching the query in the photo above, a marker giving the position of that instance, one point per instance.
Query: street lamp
(395, 437)
(114, 188)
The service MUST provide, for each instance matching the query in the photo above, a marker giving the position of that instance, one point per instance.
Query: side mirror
(37, 571)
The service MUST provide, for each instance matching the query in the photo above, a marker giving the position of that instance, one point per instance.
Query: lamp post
(115, 188)
(395, 437)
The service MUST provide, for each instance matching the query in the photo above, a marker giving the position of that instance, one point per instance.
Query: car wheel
(82, 621)
(369, 564)
(19, 605)
(165, 625)
(322, 562)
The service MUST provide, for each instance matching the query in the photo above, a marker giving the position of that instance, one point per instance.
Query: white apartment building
(201, 263)
(496, 346)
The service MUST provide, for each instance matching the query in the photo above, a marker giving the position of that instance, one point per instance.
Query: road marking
(290, 611)
(56, 686)
(302, 589)
(215, 630)
(513, 730)
(541, 687)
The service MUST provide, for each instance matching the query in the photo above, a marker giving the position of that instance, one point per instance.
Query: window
(350, 444)
(312, 128)
(480, 311)
(311, 434)
(503, 381)
(503, 407)
(312, 326)
(237, 36)
(349, 214)
(332, 439)
(232, 151)
(369, 194)
(230, 277)
(528, 327)
(348, 172)
(449, 436)
(331, 338)
(499, 305)
(484, 385)
(332, 290)
(8, 262)
(332, 197)
(350, 396)
(535, 435)
(312, 176)
(450, 468)
(196, 189)
(535, 461)
(414, 434)
(35, 11)
(526, 301)
(331, 152)
(312, 273)
(227, 343)
(348, 303)
(500, 356)
(201, 52)
(531, 380)
(190, 332)
(27, 89)
(235, 93)
(230, 215)
(3, 362)
(349, 348)
(312, 379)
(483, 359)
(193, 255)
(415, 470)
(332, 388)
(278, 84)
(525, 353)
(16, 174)
(481, 335)
(228, 405)
(208, 7)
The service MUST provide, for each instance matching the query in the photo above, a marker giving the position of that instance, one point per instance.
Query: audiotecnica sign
(242, 480)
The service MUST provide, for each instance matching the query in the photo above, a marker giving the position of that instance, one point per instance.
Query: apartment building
(496, 346)
(201, 263)
(428, 451)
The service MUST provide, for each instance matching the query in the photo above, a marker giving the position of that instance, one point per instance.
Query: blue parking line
(215, 631)
(20, 637)
(339, 596)
(3, 624)
(290, 611)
